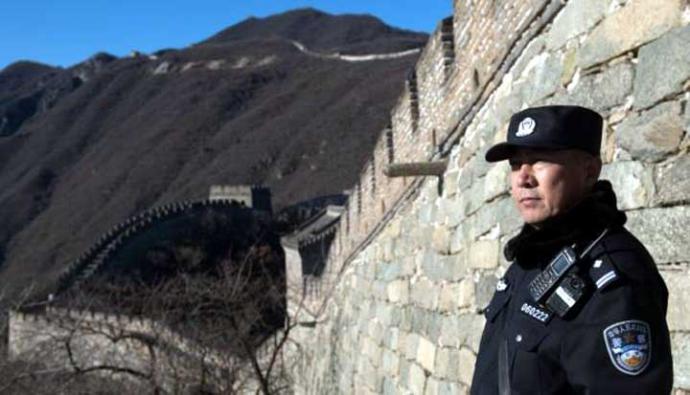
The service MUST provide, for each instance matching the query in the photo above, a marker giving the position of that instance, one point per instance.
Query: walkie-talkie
(558, 286)
(545, 281)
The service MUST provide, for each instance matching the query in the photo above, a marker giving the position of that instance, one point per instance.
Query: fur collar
(594, 213)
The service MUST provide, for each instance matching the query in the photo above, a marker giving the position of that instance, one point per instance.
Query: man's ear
(593, 169)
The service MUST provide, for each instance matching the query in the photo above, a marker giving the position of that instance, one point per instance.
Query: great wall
(128, 348)
(397, 305)
(78, 335)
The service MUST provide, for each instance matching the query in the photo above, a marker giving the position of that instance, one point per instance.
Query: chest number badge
(629, 346)
(535, 312)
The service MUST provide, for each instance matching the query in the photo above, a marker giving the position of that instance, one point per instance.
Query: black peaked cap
(551, 127)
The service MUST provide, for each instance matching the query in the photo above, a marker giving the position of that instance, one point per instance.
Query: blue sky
(65, 32)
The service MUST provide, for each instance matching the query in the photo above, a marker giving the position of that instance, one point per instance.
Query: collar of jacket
(595, 212)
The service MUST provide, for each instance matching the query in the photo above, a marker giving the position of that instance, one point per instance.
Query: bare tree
(221, 331)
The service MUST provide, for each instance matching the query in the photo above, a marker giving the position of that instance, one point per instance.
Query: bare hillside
(84, 147)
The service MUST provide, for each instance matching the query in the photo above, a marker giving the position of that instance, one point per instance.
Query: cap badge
(526, 127)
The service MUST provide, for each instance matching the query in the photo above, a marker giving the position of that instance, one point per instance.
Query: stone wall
(129, 348)
(415, 259)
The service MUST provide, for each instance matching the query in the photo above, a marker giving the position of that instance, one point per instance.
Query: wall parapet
(40, 332)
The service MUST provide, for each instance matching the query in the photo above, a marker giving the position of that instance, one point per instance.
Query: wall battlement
(414, 259)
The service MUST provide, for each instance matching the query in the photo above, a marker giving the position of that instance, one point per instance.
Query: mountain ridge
(110, 137)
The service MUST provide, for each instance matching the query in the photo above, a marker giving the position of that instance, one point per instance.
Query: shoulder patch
(629, 346)
(602, 272)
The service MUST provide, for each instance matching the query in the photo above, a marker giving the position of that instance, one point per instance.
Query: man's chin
(534, 219)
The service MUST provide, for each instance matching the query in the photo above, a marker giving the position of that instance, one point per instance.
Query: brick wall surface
(397, 312)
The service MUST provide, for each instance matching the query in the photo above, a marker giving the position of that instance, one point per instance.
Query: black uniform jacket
(615, 341)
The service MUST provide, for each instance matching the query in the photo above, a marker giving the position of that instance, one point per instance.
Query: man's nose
(525, 175)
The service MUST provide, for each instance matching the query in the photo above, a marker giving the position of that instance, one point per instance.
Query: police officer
(582, 307)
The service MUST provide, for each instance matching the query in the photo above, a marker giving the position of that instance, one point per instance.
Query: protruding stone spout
(435, 168)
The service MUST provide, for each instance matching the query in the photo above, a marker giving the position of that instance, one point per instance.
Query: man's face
(546, 183)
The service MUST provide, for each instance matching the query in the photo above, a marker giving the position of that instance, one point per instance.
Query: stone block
(431, 387)
(426, 213)
(496, 181)
(452, 372)
(484, 290)
(405, 318)
(442, 267)
(466, 360)
(393, 229)
(600, 91)
(447, 301)
(417, 379)
(473, 325)
(378, 290)
(422, 257)
(663, 67)
(664, 231)
(458, 240)
(450, 331)
(534, 48)
(475, 198)
(409, 266)
(424, 293)
(443, 365)
(569, 66)
(420, 318)
(672, 181)
(374, 354)
(388, 248)
(372, 379)
(652, 135)
(618, 33)
(465, 296)
(485, 223)
(633, 181)
(426, 353)
(398, 291)
(447, 388)
(542, 76)
(441, 240)
(390, 363)
(376, 330)
(478, 165)
(405, 371)
(392, 338)
(433, 327)
(678, 299)
(450, 183)
(465, 178)
(411, 344)
(388, 271)
(681, 359)
(389, 386)
(483, 254)
(422, 234)
(576, 18)
(508, 216)
(454, 210)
